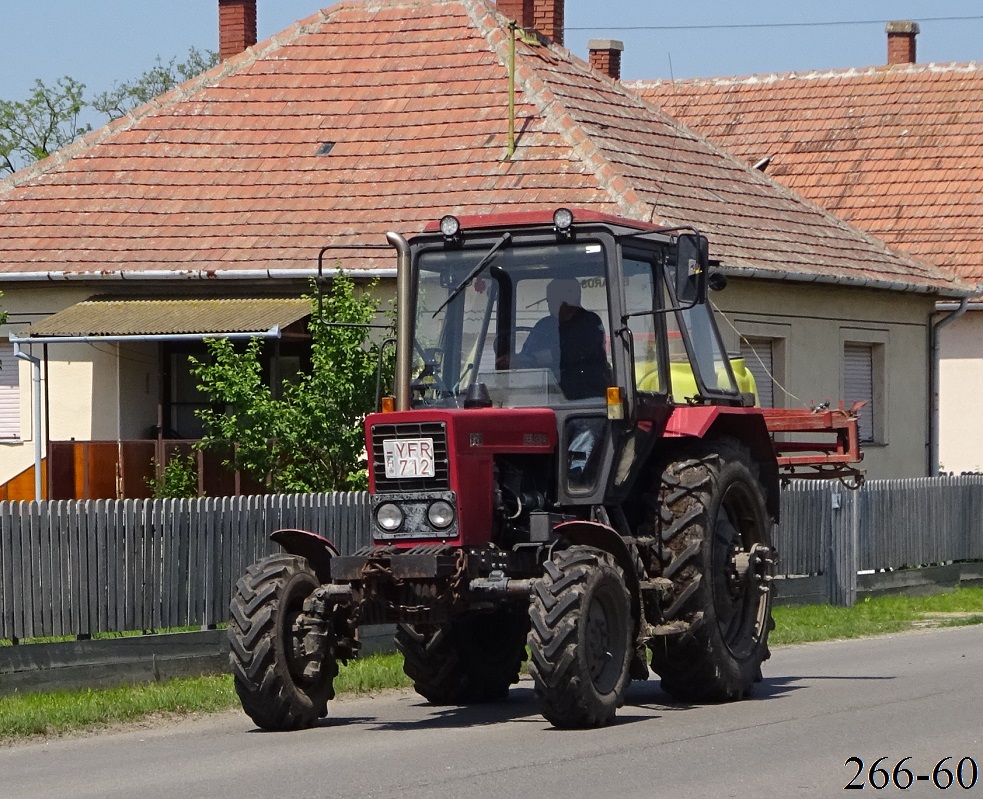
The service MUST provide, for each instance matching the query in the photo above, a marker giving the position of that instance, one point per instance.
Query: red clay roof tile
(893, 150)
(224, 173)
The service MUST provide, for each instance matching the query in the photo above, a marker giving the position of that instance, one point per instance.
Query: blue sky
(101, 41)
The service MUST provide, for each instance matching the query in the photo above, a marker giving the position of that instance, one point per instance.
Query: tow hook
(497, 586)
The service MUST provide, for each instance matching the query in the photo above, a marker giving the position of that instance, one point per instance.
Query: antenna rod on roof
(511, 143)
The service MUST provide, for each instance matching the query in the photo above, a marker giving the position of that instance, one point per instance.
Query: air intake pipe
(405, 313)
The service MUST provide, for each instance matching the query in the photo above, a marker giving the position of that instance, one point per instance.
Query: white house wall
(961, 395)
(138, 390)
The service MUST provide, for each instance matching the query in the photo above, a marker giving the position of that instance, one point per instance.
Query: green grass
(66, 711)
(878, 616)
(52, 714)
(371, 674)
(58, 713)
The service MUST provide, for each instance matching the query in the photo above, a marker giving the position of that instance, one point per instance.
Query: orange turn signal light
(388, 404)
(616, 405)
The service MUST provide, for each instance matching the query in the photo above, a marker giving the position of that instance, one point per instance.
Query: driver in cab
(570, 342)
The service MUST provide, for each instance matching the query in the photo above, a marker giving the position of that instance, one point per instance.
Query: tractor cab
(494, 302)
(601, 320)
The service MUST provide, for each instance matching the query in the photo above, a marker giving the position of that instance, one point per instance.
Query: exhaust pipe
(405, 313)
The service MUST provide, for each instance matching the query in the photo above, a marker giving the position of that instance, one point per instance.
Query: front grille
(434, 430)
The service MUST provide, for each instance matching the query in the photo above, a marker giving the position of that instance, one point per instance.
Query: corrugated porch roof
(151, 319)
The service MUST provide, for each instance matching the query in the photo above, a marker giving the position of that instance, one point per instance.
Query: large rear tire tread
(580, 638)
(471, 660)
(272, 689)
(707, 502)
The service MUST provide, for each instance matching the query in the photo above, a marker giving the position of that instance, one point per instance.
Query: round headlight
(450, 226)
(389, 517)
(440, 514)
(563, 219)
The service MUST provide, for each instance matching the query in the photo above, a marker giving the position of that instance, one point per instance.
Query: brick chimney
(605, 56)
(901, 42)
(544, 16)
(236, 26)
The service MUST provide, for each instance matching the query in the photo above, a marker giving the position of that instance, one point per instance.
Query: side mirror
(692, 257)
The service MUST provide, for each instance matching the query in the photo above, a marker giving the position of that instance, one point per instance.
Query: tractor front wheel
(281, 684)
(580, 638)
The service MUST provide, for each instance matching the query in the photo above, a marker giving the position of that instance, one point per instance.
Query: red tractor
(571, 463)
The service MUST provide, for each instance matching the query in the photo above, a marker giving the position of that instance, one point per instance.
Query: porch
(117, 399)
(126, 470)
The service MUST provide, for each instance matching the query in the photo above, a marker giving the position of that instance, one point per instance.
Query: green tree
(310, 438)
(34, 128)
(48, 119)
(157, 80)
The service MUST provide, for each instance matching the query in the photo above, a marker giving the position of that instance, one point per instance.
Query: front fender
(316, 549)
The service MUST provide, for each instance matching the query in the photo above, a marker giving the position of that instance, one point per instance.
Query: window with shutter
(9, 392)
(858, 384)
(759, 358)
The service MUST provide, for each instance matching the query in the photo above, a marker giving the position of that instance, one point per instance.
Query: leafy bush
(310, 438)
(177, 480)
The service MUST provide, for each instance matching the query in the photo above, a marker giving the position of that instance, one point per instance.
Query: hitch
(497, 586)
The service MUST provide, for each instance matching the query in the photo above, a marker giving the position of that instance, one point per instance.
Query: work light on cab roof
(563, 220)
(450, 227)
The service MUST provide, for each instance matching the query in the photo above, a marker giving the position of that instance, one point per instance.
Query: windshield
(532, 326)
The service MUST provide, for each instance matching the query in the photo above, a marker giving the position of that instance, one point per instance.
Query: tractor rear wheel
(580, 638)
(716, 539)
(472, 659)
(281, 685)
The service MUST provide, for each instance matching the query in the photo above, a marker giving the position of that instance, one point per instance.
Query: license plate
(409, 457)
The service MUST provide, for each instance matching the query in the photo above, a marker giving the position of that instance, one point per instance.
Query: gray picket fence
(83, 567)
(74, 568)
(886, 527)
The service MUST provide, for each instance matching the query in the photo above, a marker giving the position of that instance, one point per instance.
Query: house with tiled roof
(894, 150)
(368, 117)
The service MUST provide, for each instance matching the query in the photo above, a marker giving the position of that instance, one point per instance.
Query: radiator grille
(435, 430)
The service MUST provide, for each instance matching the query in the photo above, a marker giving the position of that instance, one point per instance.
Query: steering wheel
(504, 338)
(430, 370)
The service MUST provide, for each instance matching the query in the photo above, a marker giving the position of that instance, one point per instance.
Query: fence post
(842, 553)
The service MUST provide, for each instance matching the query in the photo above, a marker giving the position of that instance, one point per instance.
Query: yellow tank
(684, 383)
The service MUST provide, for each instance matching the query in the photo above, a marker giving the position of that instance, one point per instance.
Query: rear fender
(317, 550)
(746, 425)
(601, 536)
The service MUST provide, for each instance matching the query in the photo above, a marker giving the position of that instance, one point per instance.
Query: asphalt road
(915, 695)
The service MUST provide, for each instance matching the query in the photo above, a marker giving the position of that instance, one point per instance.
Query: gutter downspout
(36, 421)
(933, 384)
